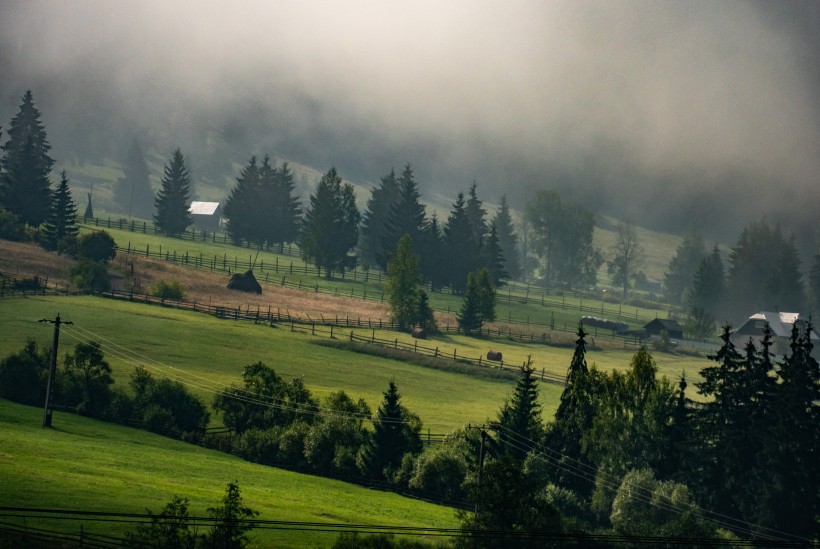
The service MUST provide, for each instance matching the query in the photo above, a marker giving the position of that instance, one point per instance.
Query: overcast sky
(667, 113)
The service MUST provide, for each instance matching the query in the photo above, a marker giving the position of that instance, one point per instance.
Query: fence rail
(540, 296)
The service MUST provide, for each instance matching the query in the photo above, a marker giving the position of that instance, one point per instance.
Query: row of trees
(763, 274)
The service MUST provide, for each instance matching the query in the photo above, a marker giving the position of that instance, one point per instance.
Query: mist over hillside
(667, 114)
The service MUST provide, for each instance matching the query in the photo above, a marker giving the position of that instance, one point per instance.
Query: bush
(168, 290)
(97, 246)
(23, 375)
(90, 275)
(68, 245)
(11, 228)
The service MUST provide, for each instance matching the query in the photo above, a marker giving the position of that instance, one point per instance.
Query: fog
(669, 114)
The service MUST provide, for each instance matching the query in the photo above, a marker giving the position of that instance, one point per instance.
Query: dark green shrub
(23, 375)
(171, 289)
(90, 275)
(68, 245)
(11, 228)
(97, 246)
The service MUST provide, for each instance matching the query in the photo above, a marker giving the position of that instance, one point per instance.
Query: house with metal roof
(206, 215)
(781, 325)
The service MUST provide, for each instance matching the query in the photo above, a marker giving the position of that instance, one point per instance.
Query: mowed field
(83, 464)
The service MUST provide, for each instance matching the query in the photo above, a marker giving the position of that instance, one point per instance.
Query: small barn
(659, 325)
(780, 323)
(206, 215)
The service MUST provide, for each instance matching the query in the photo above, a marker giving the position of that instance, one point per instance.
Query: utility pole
(52, 369)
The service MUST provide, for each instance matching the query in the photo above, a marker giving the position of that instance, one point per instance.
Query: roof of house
(668, 325)
(203, 208)
(780, 323)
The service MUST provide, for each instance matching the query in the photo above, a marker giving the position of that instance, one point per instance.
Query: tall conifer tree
(508, 240)
(375, 219)
(133, 193)
(24, 183)
(172, 202)
(406, 215)
(243, 207)
(62, 218)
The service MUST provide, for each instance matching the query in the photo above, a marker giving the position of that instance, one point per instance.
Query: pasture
(83, 464)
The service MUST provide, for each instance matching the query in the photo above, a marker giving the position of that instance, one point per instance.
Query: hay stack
(244, 282)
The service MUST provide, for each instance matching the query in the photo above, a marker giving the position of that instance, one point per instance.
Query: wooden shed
(657, 326)
(206, 215)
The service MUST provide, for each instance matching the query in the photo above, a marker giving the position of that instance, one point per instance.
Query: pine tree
(406, 215)
(476, 215)
(461, 251)
(433, 262)
(520, 423)
(331, 225)
(469, 316)
(395, 433)
(486, 293)
(682, 267)
(494, 257)
(425, 318)
(24, 184)
(172, 215)
(814, 283)
(375, 219)
(242, 207)
(402, 286)
(508, 240)
(288, 207)
(62, 218)
(133, 193)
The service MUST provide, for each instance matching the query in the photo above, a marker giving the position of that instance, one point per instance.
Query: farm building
(659, 325)
(206, 215)
(780, 323)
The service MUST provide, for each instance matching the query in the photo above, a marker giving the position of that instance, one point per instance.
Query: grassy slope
(85, 464)
(218, 349)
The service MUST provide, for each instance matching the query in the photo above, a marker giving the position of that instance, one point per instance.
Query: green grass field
(83, 464)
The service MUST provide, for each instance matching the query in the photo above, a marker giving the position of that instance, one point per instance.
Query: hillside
(88, 465)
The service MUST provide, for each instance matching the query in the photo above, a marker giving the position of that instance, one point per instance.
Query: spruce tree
(425, 318)
(133, 193)
(26, 165)
(402, 286)
(62, 218)
(375, 219)
(331, 225)
(243, 206)
(508, 240)
(520, 423)
(486, 293)
(708, 284)
(814, 284)
(476, 215)
(494, 257)
(406, 215)
(682, 267)
(433, 261)
(288, 207)
(469, 316)
(172, 215)
(395, 433)
(461, 251)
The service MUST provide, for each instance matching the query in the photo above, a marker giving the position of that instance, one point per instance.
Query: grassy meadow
(83, 464)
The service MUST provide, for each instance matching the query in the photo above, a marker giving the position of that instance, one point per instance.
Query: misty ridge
(667, 115)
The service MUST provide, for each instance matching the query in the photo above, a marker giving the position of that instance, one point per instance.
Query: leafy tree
(242, 206)
(402, 286)
(24, 184)
(406, 215)
(90, 275)
(628, 257)
(562, 239)
(507, 240)
(440, 470)
(62, 218)
(23, 375)
(88, 379)
(264, 401)
(470, 315)
(681, 271)
(230, 521)
(395, 433)
(98, 246)
(331, 445)
(172, 201)
(170, 529)
(166, 406)
(133, 192)
(331, 225)
(520, 424)
(645, 506)
(375, 219)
